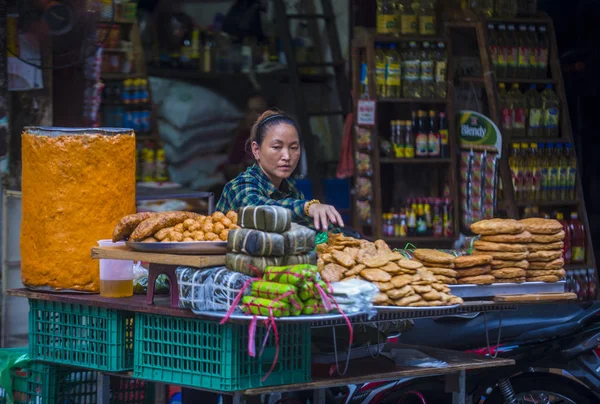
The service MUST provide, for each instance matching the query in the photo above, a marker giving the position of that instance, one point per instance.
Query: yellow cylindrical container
(77, 183)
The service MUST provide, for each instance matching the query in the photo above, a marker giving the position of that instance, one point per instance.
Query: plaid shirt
(253, 188)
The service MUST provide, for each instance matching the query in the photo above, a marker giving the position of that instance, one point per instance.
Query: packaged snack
(363, 188)
(363, 209)
(363, 138)
(363, 164)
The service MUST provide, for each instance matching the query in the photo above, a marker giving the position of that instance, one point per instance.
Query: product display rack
(489, 80)
(364, 42)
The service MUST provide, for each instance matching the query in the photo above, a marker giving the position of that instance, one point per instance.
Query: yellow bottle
(408, 17)
(386, 17)
(380, 69)
(393, 73)
(427, 18)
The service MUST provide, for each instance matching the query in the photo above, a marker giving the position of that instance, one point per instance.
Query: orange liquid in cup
(116, 288)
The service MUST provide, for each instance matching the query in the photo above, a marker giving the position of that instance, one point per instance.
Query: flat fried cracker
(548, 238)
(443, 271)
(544, 256)
(554, 264)
(344, 259)
(497, 226)
(546, 278)
(524, 237)
(511, 256)
(405, 301)
(557, 245)
(498, 264)
(401, 280)
(434, 256)
(475, 271)
(468, 261)
(536, 225)
(375, 275)
(396, 294)
(478, 280)
(504, 247)
(544, 272)
(509, 273)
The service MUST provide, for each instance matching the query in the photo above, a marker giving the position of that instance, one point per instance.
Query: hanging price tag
(366, 113)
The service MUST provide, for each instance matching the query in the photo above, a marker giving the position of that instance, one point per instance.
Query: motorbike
(555, 348)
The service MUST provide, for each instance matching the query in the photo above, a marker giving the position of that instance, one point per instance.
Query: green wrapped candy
(260, 307)
(295, 275)
(275, 291)
(313, 306)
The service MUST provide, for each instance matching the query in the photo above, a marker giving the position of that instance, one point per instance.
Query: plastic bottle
(422, 140)
(567, 240)
(554, 172)
(523, 69)
(412, 220)
(393, 74)
(386, 17)
(506, 8)
(513, 163)
(546, 169)
(531, 172)
(403, 231)
(433, 137)
(427, 18)
(526, 172)
(506, 110)
(538, 174)
(550, 112)
(427, 72)
(502, 43)
(421, 220)
(533, 52)
(543, 53)
(534, 112)
(448, 219)
(380, 69)
(409, 141)
(441, 68)
(563, 173)
(571, 172)
(364, 79)
(428, 218)
(413, 73)
(518, 110)
(443, 131)
(484, 8)
(577, 239)
(512, 45)
(408, 17)
(399, 140)
(493, 39)
(438, 229)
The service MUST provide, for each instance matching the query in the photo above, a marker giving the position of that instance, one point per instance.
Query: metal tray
(317, 319)
(183, 248)
(497, 289)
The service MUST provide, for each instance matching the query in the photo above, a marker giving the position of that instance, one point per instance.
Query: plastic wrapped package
(363, 138)
(140, 281)
(275, 219)
(212, 289)
(354, 295)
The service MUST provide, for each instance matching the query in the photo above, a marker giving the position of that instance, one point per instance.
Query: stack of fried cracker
(474, 270)
(401, 282)
(440, 264)
(505, 240)
(545, 250)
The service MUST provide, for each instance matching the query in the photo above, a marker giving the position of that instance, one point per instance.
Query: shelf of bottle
(539, 18)
(480, 80)
(418, 239)
(414, 100)
(536, 140)
(523, 204)
(121, 76)
(432, 160)
(409, 38)
(582, 265)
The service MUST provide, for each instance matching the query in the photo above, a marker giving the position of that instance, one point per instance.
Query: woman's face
(279, 153)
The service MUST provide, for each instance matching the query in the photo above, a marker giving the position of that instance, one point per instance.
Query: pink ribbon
(252, 337)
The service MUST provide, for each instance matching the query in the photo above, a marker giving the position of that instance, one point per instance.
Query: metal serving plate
(317, 318)
(498, 289)
(182, 248)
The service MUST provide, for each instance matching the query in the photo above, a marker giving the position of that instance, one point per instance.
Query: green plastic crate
(207, 355)
(52, 384)
(82, 336)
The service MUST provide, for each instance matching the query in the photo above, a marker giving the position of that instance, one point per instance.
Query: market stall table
(367, 369)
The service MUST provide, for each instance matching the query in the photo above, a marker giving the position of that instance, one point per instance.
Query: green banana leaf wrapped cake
(310, 258)
(272, 219)
(297, 240)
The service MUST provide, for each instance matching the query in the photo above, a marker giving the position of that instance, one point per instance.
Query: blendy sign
(477, 131)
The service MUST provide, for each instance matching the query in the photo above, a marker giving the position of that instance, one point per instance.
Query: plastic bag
(212, 289)
(9, 359)
(140, 281)
(354, 295)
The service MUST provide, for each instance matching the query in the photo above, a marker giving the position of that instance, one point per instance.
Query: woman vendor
(275, 144)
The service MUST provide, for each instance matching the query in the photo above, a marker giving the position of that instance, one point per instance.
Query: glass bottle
(427, 83)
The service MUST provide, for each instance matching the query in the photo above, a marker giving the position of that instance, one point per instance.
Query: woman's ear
(256, 151)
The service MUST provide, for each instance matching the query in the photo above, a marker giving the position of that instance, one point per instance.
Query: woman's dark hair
(265, 121)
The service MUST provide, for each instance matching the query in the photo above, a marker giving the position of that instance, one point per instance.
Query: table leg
(103, 389)
(319, 396)
(457, 384)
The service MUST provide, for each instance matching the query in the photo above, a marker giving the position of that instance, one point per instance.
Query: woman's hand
(323, 215)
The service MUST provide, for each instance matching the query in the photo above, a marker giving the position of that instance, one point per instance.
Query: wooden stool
(169, 271)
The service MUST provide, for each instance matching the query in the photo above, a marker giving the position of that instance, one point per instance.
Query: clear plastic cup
(116, 276)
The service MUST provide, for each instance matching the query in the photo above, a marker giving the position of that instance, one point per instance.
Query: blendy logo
(473, 131)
